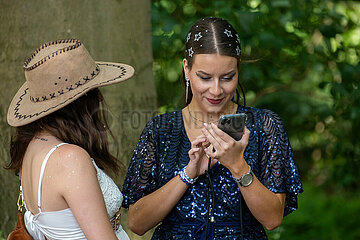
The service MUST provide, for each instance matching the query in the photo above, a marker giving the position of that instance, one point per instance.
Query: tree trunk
(111, 30)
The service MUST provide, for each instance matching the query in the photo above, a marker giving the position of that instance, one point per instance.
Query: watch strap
(240, 180)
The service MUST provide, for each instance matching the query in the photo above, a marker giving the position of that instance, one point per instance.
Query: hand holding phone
(233, 124)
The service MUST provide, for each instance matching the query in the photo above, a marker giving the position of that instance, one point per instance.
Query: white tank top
(62, 225)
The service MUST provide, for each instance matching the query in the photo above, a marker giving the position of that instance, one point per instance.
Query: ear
(186, 67)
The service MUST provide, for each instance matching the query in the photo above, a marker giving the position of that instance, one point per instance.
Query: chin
(213, 109)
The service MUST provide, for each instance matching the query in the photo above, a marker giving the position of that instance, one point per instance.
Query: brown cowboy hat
(58, 73)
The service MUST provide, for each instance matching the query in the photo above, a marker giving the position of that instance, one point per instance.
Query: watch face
(246, 179)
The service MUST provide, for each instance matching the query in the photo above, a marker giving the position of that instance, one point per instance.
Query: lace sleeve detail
(141, 176)
(280, 173)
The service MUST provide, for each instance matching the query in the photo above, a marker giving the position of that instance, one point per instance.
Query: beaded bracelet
(184, 177)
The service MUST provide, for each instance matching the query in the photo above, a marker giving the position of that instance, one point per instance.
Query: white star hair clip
(190, 52)
(238, 51)
(197, 37)
(188, 37)
(237, 38)
(228, 33)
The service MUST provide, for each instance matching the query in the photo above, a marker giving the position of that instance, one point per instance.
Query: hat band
(82, 81)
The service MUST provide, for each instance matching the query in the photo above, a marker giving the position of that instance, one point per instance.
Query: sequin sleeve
(280, 173)
(141, 177)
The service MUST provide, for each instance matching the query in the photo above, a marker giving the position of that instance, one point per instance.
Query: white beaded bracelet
(185, 178)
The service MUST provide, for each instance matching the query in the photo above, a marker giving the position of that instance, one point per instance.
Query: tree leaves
(300, 59)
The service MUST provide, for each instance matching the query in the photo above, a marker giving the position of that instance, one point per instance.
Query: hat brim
(23, 111)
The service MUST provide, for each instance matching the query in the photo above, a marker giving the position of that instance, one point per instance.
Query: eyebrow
(205, 73)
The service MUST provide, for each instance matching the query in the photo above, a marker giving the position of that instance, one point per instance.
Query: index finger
(223, 135)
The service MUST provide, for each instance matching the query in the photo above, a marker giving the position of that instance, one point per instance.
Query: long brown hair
(83, 123)
(213, 35)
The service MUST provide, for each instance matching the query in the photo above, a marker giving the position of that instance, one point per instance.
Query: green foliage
(321, 216)
(300, 59)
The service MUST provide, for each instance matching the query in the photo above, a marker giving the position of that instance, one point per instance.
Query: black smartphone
(233, 124)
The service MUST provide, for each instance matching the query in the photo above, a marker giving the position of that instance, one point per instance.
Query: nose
(215, 88)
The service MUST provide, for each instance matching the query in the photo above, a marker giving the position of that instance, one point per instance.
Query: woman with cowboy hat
(252, 182)
(60, 149)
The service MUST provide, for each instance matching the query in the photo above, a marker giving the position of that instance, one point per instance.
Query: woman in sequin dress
(167, 184)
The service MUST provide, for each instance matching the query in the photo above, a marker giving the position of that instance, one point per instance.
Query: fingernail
(205, 125)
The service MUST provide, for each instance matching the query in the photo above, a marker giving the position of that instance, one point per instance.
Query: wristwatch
(246, 179)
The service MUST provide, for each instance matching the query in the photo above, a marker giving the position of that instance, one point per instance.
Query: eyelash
(225, 78)
(204, 78)
(229, 78)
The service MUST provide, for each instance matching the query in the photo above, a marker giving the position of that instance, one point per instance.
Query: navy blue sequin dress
(163, 150)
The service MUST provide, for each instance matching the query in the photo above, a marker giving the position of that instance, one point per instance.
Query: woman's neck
(44, 135)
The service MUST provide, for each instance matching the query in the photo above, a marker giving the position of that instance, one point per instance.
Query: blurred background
(300, 60)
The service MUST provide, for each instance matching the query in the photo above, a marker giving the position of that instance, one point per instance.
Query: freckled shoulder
(70, 157)
(74, 174)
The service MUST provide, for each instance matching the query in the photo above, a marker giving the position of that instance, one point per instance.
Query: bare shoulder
(70, 158)
(73, 175)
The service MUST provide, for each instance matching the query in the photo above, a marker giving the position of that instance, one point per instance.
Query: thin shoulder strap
(42, 172)
(21, 195)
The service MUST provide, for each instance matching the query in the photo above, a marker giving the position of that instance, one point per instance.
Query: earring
(187, 89)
